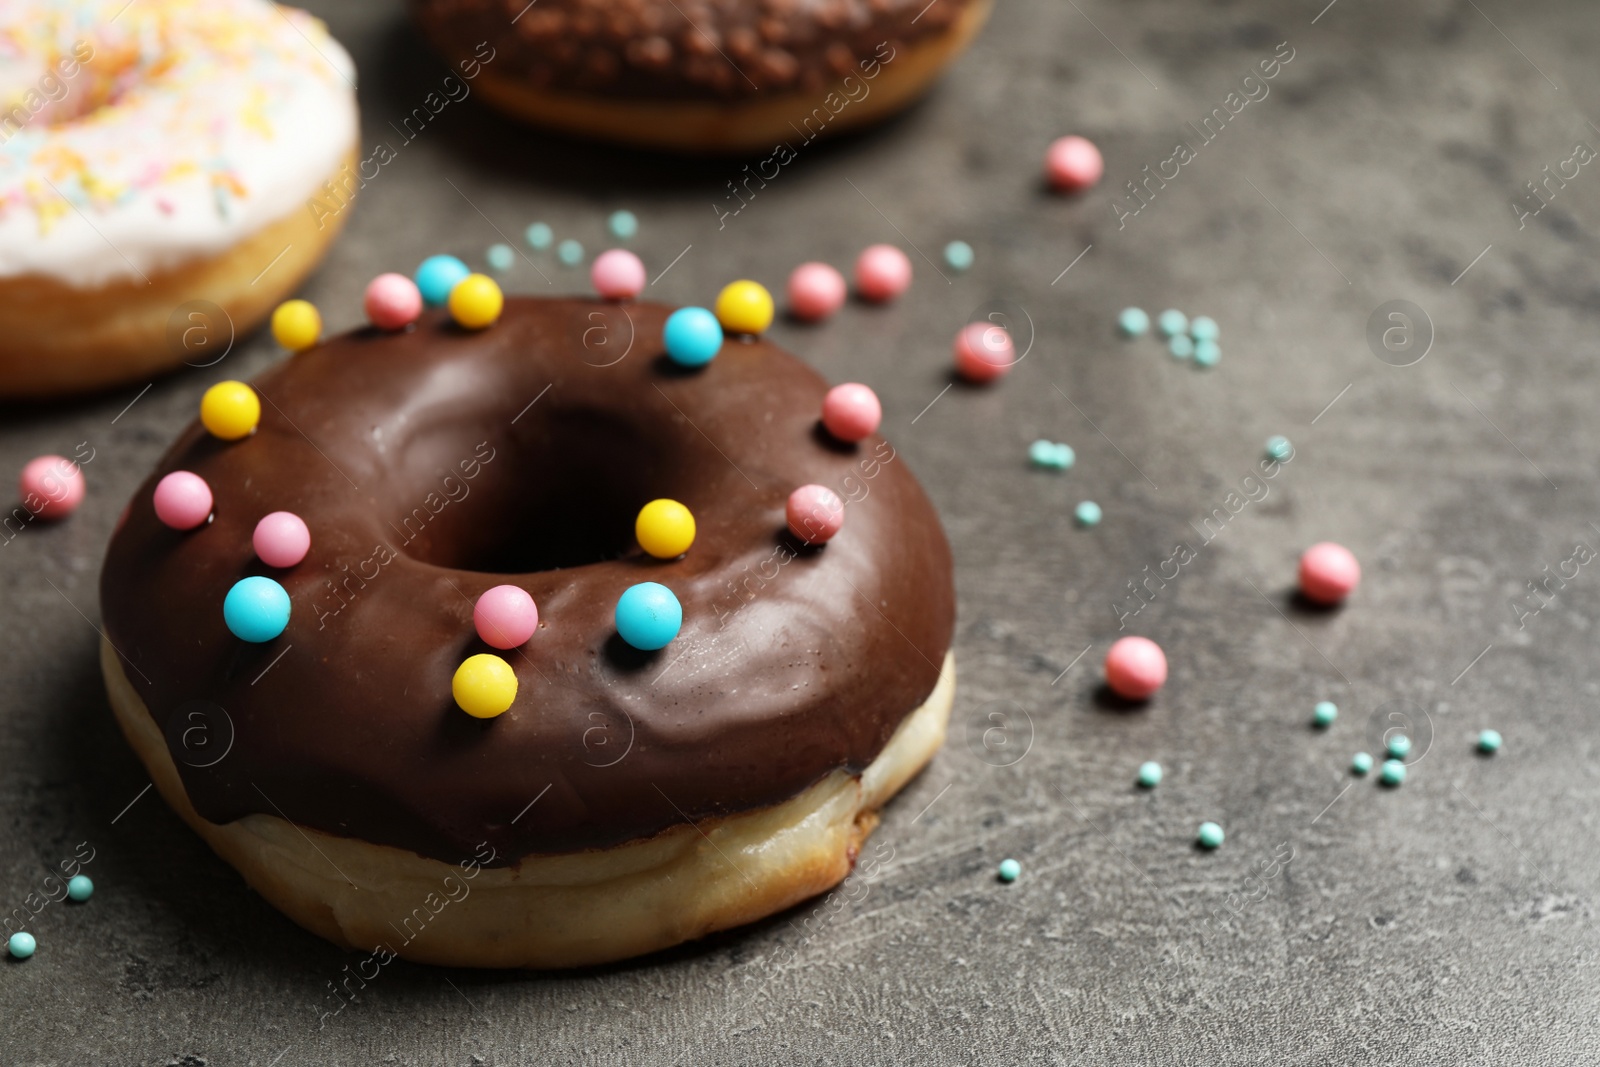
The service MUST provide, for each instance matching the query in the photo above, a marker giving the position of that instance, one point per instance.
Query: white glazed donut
(156, 155)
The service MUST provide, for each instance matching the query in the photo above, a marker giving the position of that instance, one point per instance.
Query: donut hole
(561, 493)
(63, 91)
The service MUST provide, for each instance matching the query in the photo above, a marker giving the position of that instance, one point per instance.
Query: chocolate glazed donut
(433, 464)
(702, 75)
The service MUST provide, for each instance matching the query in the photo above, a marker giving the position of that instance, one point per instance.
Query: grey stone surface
(1449, 921)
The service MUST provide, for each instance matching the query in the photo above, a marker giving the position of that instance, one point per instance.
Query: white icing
(216, 119)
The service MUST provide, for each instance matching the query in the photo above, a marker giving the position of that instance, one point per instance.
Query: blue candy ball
(623, 224)
(79, 888)
(437, 276)
(21, 945)
(959, 255)
(693, 337)
(1393, 772)
(570, 252)
(256, 609)
(648, 616)
(539, 236)
(500, 257)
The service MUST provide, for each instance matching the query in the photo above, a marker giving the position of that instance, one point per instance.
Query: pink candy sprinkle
(617, 274)
(1135, 668)
(393, 301)
(281, 539)
(1328, 573)
(882, 273)
(816, 291)
(183, 500)
(505, 616)
(983, 352)
(1072, 164)
(815, 513)
(52, 487)
(851, 411)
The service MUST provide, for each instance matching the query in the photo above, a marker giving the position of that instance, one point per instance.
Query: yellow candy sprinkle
(230, 410)
(296, 325)
(484, 686)
(665, 529)
(475, 302)
(744, 307)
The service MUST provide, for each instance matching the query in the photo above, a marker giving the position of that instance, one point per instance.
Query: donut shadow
(621, 656)
(1107, 699)
(668, 367)
(1300, 604)
(820, 434)
(784, 537)
(956, 378)
(1042, 187)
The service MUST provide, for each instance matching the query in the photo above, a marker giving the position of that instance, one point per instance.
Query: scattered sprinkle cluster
(22, 945)
(1187, 339)
(1052, 455)
(622, 225)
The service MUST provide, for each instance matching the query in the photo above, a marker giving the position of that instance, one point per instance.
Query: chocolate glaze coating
(435, 463)
(683, 49)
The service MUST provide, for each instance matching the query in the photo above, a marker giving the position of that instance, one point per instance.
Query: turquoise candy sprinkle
(1361, 763)
(1324, 713)
(79, 888)
(1052, 455)
(958, 255)
(1489, 741)
(1010, 871)
(1088, 513)
(539, 236)
(1210, 835)
(1278, 447)
(1172, 322)
(1393, 773)
(1133, 322)
(21, 945)
(693, 337)
(1181, 347)
(256, 609)
(648, 616)
(1398, 745)
(437, 275)
(1204, 328)
(1150, 774)
(570, 252)
(623, 224)
(500, 257)
(1207, 354)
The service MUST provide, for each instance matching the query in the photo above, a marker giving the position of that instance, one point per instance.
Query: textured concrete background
(1449, 921)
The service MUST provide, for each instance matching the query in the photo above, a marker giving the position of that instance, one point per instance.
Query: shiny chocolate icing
(433, 464)
(685, 49)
